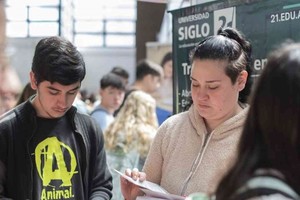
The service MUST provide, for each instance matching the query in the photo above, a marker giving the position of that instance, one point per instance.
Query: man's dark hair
(112, 80)
(57, 60)
(167, 57)
(145, 67)
(120, 72)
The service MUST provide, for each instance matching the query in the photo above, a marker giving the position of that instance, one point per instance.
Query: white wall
(101, 61)
(98, 61)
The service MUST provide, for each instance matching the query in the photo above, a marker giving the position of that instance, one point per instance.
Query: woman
(270, 141)
(194, 149)
(128, 138)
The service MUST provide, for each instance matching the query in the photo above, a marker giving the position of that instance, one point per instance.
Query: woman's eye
(212, 87)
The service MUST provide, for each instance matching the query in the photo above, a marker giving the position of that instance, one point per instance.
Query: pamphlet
(157, 195)
(152, 190)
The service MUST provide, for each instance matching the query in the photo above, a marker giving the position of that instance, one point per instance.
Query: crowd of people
(236, 141)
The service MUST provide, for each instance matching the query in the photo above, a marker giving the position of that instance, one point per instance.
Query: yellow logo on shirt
(51, 166)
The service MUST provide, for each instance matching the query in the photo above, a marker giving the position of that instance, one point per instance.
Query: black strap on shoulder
(256, 192)
(264, 185)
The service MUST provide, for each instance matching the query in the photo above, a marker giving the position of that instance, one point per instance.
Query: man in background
(112, 91)
(148, 77)
(122, 73)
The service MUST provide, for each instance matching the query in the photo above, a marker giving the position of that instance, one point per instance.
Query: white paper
(148, 198)
(158, 195)
(152, 190)
(145, 184)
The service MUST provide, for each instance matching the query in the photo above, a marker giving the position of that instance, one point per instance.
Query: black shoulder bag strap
(265, 185)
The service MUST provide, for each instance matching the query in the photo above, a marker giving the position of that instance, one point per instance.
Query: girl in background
(128, 138)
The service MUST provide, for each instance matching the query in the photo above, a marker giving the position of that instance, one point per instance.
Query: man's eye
(53, 92)
(195, 85)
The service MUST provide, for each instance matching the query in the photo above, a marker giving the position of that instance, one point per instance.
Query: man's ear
(242, 79)
(33, 81)
(147, 78)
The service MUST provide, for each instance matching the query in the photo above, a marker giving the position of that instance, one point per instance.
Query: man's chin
(57, 114)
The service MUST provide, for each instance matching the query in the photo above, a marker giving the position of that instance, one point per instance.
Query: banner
(265, 23)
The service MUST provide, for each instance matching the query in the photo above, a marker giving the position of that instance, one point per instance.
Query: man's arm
(101, 176)
(3, 153)
(2, 178)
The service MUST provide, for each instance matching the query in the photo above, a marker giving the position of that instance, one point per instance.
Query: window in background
(105, 23)
(88, 23)
(34, 18)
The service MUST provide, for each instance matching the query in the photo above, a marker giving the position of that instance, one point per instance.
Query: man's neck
(138, 86)
(109, 110)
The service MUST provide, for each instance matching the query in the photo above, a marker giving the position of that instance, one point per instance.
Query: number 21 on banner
(224, 18)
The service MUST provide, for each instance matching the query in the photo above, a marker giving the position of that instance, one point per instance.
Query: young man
(122, 73)
(112, 91)
(47, 149)
(148, 77)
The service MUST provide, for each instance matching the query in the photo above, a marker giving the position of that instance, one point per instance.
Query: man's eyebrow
(52, 88)
(76, 88)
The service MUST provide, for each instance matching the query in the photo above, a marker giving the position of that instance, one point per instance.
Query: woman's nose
(202, 93)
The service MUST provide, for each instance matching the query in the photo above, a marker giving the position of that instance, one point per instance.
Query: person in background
(192, 150)
(10, 88)
(80, 104)
(269, 147)
(90, 101)
(112, 91)
(48, 149)
(122, 73)
(84, 96)
(26, 93)
(164, 94)
(148, 76)
(117, 70)
(128, 138)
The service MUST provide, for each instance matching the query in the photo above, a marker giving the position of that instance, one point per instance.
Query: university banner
(265, 23)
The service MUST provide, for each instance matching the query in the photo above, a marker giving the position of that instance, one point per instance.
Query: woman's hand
(129, 190)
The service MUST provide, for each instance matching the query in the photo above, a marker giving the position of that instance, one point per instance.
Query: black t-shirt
(56, 161)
